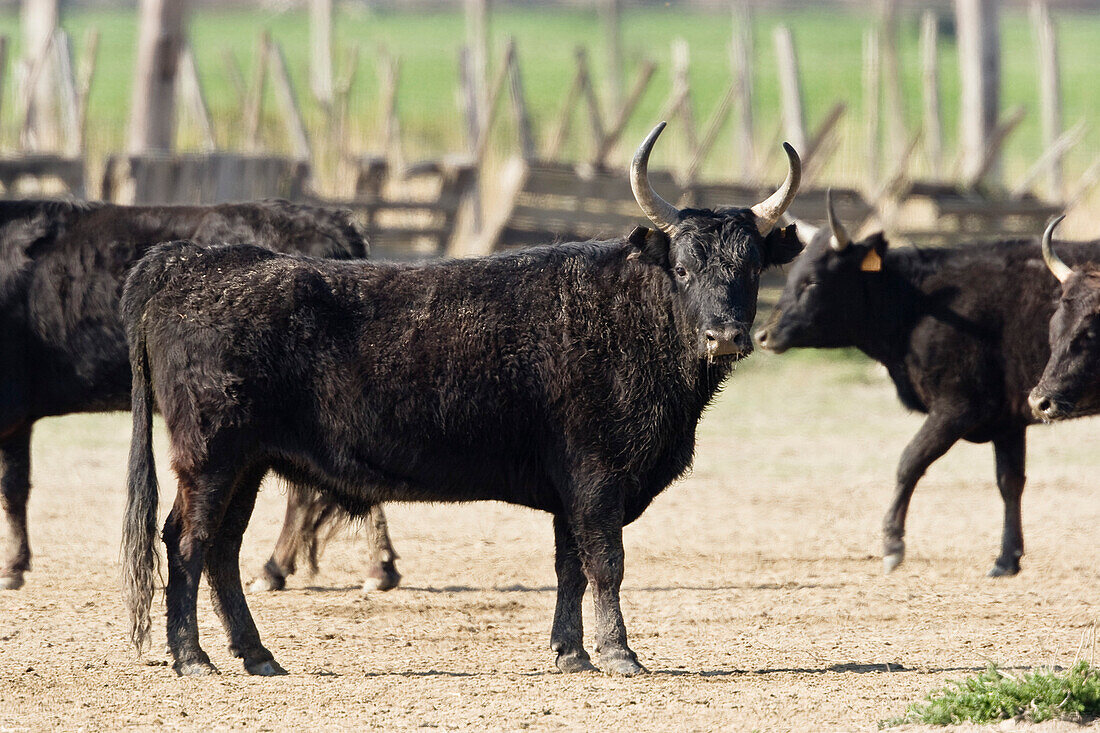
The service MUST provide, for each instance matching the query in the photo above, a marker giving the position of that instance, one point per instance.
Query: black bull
(962, 332)
(566, 378)
(63, 349)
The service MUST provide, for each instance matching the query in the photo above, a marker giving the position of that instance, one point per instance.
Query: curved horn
(840, 239)
(770, 209)
(1061, 270)
(664, 215)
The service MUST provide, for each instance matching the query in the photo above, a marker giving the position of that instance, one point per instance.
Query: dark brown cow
(961, 331)
(63, 349)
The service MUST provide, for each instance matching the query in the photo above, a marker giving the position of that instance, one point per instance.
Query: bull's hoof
(266, 583)
(1000, 571)
(12, 582)
(621, 664)
(570, 663)
(266, 668)
(890, 561)
(194, 669)
(383, 577)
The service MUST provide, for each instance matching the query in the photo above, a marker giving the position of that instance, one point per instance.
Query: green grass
(828, 43)
(995, 694)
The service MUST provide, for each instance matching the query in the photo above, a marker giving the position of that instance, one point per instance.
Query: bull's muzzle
(728, 341)
(1045, 407)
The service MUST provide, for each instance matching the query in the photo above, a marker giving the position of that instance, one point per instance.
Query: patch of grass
(994, 695)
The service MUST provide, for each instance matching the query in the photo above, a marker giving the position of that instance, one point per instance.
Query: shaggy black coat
(62, 346)
(962, 332)
(566, 378)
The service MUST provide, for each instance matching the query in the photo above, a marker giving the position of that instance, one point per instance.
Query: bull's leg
(202, 499)
(598, 528)
(223, 572)
(567, 636)
(284, 557)
(15, 487)
(382, 574)
(185, 551)
(938, 433)
(1010, 449)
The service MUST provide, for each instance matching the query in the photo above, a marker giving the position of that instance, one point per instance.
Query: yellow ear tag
(871, 262)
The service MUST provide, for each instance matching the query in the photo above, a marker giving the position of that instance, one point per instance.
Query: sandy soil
(753, 591)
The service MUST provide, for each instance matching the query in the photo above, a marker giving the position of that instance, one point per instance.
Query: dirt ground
(754, 590)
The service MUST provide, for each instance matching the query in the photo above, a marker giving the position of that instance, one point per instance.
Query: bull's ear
(650, 246)
(781, 246)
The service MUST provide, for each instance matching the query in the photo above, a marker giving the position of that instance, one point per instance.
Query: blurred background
(938, 120)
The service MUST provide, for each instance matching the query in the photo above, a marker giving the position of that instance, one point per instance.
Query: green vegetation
(828, 42)
(995, 694)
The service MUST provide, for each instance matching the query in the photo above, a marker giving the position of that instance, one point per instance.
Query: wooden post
(930, 85)
(741, 50)
(891, 87)
(161, 33)
(615, 131)
(341, 99)
(991, 153)
(710, 133)
(254, 106)
(390, 71)
(39, 21)
(65, 84)
(491, 108)
(980, 68)
(320, 45)
(611, 19)
(1055, 152)
(193, 100)
(593, 105)
(469, 96)
(790, 90)
(519, 104)
(477, 45)
(85, 73)
(288, 101)
(565, 117)
(872, 82)
(1050, 89)
(3, 63)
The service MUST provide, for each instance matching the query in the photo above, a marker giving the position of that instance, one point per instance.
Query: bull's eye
(681, 271)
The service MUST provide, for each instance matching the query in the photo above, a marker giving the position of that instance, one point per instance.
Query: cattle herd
(568, 378)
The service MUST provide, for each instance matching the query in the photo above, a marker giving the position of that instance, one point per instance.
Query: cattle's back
(62, 268)
(470, 372)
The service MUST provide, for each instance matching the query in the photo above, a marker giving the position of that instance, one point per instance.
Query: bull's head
(1070, 384)
(715, 257)
(826, 292)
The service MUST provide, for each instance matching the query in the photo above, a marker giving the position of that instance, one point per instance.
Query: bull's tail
(140, 558)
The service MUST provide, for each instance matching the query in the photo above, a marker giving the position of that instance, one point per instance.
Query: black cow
(566, 378)
(1070, 385)
(961, 331)
(63, 348)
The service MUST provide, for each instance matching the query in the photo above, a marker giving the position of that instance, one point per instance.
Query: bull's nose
(732, 340)
(1043, 406)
